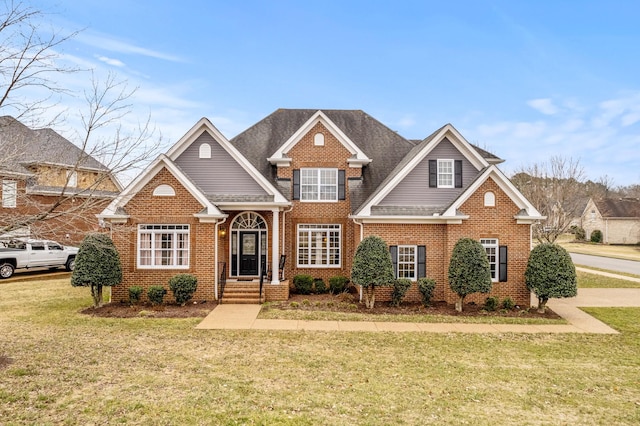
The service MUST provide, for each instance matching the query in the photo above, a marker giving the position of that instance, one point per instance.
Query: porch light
(222, 232)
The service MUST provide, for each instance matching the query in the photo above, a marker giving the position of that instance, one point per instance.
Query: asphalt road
(628, 266)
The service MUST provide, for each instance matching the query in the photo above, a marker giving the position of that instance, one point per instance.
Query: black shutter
(394, 259)
(341, 185)
(296, 184)
(433, 173)
(502, 254)
(458, 173)
(422, 261)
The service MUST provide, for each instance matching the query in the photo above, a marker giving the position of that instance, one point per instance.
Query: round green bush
(156, 294)
(135, 291)
(338, 284)
(400, 287)
(596, 236)
(303, 283)
(426, 287)
(183, 286)
(319, 286)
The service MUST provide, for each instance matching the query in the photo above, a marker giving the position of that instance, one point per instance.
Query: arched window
(205, 150)
(318, 139)
(164, 191)
(489, 199)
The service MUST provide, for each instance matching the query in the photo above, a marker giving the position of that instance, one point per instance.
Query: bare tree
(555, 188)
(61, 194)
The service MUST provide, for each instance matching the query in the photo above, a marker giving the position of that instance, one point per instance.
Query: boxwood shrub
(156, 294)
(338, 284)
(303, 283)
(400, 287)
(426, 287)
(135, 291)
(183, 286)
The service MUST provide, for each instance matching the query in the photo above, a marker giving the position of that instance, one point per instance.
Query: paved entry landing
(227, 317)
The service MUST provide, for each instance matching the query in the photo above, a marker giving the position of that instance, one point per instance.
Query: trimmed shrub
(508, 304)
(550, 273)
(491, 304)
(338, 284)
(183, 286)
(469, 270)
(400, 287)
(372, 267)
(579, 232)
(426, 287)
(303, 283)
(97, 265)
(596, 236)
(156, 294)
(319, 286)
(135, 291)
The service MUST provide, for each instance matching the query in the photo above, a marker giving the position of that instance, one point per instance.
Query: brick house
(39, 168)
(617, 218)
(295, 194)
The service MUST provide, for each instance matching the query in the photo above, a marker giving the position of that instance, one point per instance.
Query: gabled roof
(383, 146)
(114, 209)
(22, 146)
(618, 207)
(280, 156)
(204, 125)
(416, 156)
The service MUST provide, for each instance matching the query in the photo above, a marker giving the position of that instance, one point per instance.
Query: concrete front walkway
(244, 317)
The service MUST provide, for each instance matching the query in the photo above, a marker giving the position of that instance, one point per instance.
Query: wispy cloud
(604, 136)
(112, 44)
(544, 106)
(110, 61)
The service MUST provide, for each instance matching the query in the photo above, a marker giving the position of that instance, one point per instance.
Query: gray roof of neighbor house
(618, 207)
(385, 147)
(22, 146)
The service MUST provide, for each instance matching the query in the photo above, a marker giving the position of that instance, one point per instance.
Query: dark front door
(249, 253)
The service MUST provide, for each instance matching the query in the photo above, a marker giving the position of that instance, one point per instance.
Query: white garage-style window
(163, 246)
(319, 245)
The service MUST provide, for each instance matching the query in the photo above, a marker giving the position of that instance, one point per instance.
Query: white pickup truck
(24, 254)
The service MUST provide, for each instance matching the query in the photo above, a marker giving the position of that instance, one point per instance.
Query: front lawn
(58, 366)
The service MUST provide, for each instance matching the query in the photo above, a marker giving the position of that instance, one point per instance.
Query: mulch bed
(313, 302)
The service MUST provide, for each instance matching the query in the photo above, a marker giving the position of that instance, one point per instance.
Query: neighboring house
(300, 189)
(617, 218)
(36, 168)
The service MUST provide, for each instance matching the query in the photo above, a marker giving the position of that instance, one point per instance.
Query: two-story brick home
(296, 193)
(39, 168)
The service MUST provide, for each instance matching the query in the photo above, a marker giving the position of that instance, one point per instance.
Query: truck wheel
(6, 270)
(71, 263)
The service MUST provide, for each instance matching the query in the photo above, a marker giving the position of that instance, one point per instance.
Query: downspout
(283, 231)
(215, 256)
(361, 238)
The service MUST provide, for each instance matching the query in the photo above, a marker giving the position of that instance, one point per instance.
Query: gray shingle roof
(618, 207)
(22, 146)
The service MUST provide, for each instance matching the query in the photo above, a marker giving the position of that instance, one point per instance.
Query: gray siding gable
(219, 175)
(414, 189)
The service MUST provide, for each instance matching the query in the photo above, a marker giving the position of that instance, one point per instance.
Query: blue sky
(524, 79)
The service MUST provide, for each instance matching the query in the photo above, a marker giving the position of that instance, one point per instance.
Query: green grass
(295, 314)
(70, 369)
(589, 280)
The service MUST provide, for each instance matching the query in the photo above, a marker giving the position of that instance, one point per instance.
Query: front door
(248, 253)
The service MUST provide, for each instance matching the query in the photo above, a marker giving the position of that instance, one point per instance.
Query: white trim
(449, 132)
(415, 261)
(318, 172)
(147, 175)
(204, 125)
(337, 227)
(280, 156)
(451, 162)
(505, 185)
(152, 249)
(496, 246)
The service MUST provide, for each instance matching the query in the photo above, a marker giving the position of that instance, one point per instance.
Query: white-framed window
(72, 178)
(9, 193)
(445, 173)
(204, 151)
(489, 199)
(318, 139)
(319, 245)
(319, 184)
(163, 246)
(407, 262)
(491, 247)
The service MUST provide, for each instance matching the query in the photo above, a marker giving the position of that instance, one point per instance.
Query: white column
(275, 247)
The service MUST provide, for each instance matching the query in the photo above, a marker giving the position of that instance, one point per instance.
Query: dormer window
(205, 150)
(318, 139)
(445, 173)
